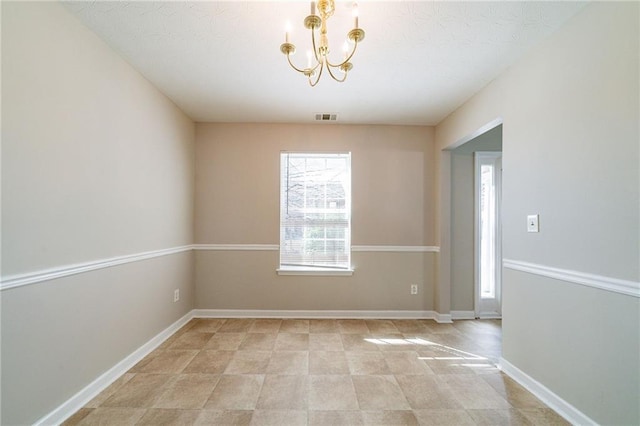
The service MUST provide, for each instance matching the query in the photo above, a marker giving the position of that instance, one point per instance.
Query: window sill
(314, 271)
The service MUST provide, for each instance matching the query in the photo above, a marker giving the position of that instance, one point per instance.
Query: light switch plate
(532, 223)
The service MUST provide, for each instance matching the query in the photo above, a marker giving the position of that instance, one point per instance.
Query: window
(315, 211)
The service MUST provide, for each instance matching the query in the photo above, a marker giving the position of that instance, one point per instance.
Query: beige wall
(238, 167)
(96, 163)
(237, 202)
(247, 280)
(570, 153)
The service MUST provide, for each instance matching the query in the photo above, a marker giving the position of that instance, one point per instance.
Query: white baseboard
(443, 318)
(79, 400)
(463, 315)
(559, 405)
(260, 313)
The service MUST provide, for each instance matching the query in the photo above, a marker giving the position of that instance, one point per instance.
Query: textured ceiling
(221, 62)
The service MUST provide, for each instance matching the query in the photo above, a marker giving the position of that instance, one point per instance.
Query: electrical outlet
(414, 289)
(176, 295)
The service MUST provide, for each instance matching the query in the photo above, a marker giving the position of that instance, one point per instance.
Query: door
(488, 253)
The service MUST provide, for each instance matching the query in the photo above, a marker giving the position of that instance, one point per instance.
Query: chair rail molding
(629, 288)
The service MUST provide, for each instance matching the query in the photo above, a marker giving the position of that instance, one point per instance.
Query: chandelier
(318, 59)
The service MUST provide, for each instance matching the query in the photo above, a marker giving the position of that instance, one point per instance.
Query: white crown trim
(629, 288)
(19, 280)
(559, 405)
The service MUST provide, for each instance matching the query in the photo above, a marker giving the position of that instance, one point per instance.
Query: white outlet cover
(533, 223)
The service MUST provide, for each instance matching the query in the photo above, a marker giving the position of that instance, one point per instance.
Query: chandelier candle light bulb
(313, 22)
(355, 15)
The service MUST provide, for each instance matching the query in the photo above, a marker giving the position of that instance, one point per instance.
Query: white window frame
(316, 269)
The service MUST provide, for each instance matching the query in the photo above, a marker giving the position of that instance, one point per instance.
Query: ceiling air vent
(326, 117)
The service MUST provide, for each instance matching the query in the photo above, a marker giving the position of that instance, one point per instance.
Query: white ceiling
(419, 61)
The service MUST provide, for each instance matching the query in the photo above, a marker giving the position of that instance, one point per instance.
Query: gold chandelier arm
(318, 78)
(293, 66)
(339, 80)
(313, 44)
(353, 52)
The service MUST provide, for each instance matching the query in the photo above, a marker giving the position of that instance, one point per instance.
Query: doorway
(487, 225)
(459, 261)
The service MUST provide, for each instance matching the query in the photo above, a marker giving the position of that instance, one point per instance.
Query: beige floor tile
(139, 392)
(159, 416)
(284, 393)
(389, 418)
(248, 362)
(321, 372)
(325, 342)
(331, 392)
(515, 394)
(439, 328)
(379, 393)
(77, 417)
(177, 334)
(328, 362)
(472, 391)
(289, 362)
(410, 326)
(400, 362)
(279, 418)
(294, 326)
(326, 418)
(445, 366)
(147, 359)
(113, 416)
(359, 342)
(207, 325)
(225, 341)
(424, 392)
(543, 417)
(443, 417)
(236, 325)
(258, 342)
(511, 417)
(393, 342)
(224, 417)
(381, 327)
(323, 326)
(191, 340)
(367, 363)
(188, 391)
(211, 362)
(236, 392)
(266, 325)
(352, 326)
(292, 342)
(169, 362)
(105, 394)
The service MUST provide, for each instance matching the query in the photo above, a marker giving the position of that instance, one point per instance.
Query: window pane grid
(315, 210)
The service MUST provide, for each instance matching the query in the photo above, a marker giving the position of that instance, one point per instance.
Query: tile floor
(320, 372)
